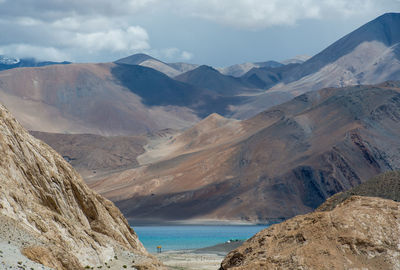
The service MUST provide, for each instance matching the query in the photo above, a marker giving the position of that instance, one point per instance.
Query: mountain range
(189, 142)
(12, 62)
(170, 69)
(283, 162)
(135, 98)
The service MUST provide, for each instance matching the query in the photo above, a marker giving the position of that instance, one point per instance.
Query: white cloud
(27, 21)
(172, 54)
(40, 53)
(92, 30)
(186, 56)
(134, 38)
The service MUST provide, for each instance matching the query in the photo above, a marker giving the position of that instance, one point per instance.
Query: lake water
(192, 236)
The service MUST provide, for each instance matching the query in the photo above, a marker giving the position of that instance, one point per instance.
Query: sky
(213, 32)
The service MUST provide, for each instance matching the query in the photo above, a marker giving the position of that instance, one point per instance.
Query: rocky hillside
(69, 225)
(368, 55)
(360, 233)
(92, 155)
(105, 99)
(386, 186)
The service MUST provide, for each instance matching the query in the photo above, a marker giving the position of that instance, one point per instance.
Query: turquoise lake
(192, 236)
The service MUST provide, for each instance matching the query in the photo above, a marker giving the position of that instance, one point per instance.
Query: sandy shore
(208, 258)
(189, 260)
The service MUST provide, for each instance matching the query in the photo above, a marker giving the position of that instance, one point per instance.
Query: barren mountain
(381, 34)
(106, 99)
(93, 155)
(210, 78)
(169, 69)
(299, 59)
(183, 67)
(368, 55)
(150, 62)
(360, 233)
(283, 162)
(65, 224)
(267, 77)
(241, 69)
(129, 99)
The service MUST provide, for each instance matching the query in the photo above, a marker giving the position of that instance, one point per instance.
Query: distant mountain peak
(203, 68)
(135, 59)
(298, 59)
(384, 29)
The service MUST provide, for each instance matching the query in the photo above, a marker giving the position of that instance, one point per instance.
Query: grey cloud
(97, 30)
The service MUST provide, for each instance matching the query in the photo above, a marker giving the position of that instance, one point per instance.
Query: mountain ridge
(301, 168)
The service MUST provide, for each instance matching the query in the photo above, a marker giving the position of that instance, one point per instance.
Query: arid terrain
(359, 233)
(57, 220)
(347, 231)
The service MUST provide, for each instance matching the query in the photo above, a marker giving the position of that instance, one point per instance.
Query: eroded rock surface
(360, 233)
(73, 226)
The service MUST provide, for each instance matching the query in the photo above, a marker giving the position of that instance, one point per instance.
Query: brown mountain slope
(70, 226)
(360, 233)
(283, 162)
(93, 155)
(97, 99)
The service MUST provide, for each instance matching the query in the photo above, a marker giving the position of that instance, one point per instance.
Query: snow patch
(5, 60)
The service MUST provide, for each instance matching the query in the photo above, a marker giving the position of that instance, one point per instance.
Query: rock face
(360, 233)
(73, 227)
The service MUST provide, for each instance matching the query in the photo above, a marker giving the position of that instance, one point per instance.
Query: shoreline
(218, 249)
(197, 222)
(196, 259)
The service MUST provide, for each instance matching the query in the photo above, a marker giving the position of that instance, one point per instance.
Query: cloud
(41, 53)
(258, 14)
(172, 54)
(50, 10)
(134, 38)
(103, 30)
(186, 56)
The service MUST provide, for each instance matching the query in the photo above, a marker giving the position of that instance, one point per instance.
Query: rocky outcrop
(73, 226)
(360, 233)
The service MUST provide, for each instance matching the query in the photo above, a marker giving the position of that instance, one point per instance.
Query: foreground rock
(360, 233)
(65, 224)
